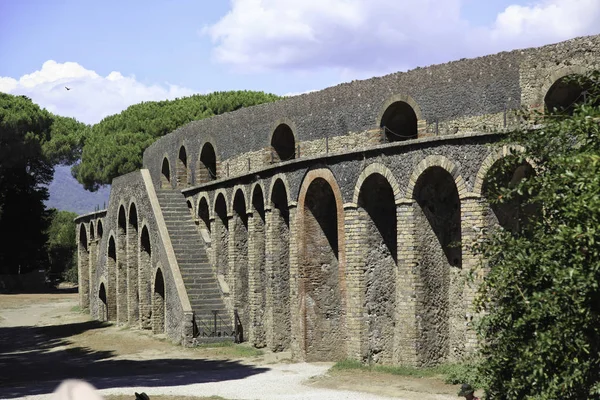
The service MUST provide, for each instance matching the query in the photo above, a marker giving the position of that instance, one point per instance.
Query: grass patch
(76, 309)
(225, 343)
(451, 373)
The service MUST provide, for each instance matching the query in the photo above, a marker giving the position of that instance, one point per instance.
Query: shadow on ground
(33, 362)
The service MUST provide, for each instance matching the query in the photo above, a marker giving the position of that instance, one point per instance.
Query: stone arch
(223, 193)
(283, 142)
(220, 241)
(111, 267)
(378, 244)
(257, 265)
(182, 168)
(190, 207)
(322, 262)
(100, 229)
(122, 301)
(489, 161)
(102, 301)
(145, 269)
(278, 269)
(436, 161)
(511, 213)
(159, 304)
(376, 168)
(84, 266)
(283, 179)
(204, 216)
(557, 76)
(239, 258)
(133, 300)
(399, 118)
(242, 190)
(206, 170)
(165, 174)
(92, 230)
(437, 221)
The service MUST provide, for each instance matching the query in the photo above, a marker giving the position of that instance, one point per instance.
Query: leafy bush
(541, 298)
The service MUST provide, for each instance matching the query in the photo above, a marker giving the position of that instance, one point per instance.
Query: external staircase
(212, 318)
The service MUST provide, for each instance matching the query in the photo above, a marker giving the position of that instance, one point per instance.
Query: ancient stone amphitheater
(333, 224)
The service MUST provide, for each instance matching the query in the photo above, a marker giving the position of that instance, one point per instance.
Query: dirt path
(44, 339)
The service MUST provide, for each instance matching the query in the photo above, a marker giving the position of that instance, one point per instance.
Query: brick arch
(555, 76)
(214, 202)
(162, 178)
(111, 271)
(376, 168)
(259, 185)
(490, 160)
(437, 161)
(144, 277)
(205, 196)
(338, 348)
(286, 184)
(102, 308)
(236, 188)
(395, 98)
(202, 175)
(159, 299)
(282, 121)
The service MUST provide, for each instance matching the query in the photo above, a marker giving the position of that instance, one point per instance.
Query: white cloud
(91, 97)
(356, 36)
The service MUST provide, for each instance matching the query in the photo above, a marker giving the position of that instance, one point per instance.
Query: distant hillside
(69, 195)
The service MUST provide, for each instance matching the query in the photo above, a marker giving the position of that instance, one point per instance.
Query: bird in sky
(68, 88)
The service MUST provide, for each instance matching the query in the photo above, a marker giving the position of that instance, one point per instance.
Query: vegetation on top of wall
(540, 328)
(116, 144)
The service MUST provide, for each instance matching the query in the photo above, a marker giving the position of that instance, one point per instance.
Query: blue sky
(117, 53)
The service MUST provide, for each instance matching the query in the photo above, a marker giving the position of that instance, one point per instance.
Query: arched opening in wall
(207, 167)
(399, 122)
(190, 208)
(511, 213)
(84, 268)
(221, 240)
(122, 301)
(102, 304)
(158, 304)
(240, 262)
(111, 267)
(204, 220)
(165, 175)
(93, 256)
(182, 169)
(133, 296)
(283, 143)
(100, 230)
(439, 257)
(377, 211)
(565, 94)
(144, 279)
(258, 268)
(320, 291)
(280, 275)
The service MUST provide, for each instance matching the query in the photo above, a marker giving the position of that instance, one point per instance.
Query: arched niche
(158, 304)
(258, 267)
(399, 122)
(111, 267)
(565, 94)
(132, 266)
(240, 261)
(283, 143)
(165, 174)
(145, 270)
(182, 168)
(207, 165)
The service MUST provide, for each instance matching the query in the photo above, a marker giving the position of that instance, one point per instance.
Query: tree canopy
(116, 144)
(540, 329)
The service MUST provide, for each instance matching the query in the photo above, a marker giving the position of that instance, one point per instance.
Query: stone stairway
(198, 276)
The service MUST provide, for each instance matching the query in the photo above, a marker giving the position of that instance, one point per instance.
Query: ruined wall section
(125, 190)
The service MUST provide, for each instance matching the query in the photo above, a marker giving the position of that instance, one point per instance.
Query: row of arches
(399, 121)
(254, 247)
(132, 290)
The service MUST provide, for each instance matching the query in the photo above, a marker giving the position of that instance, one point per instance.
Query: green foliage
(62, 242)
(24, 170)
(115, 145)
(541, 297)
